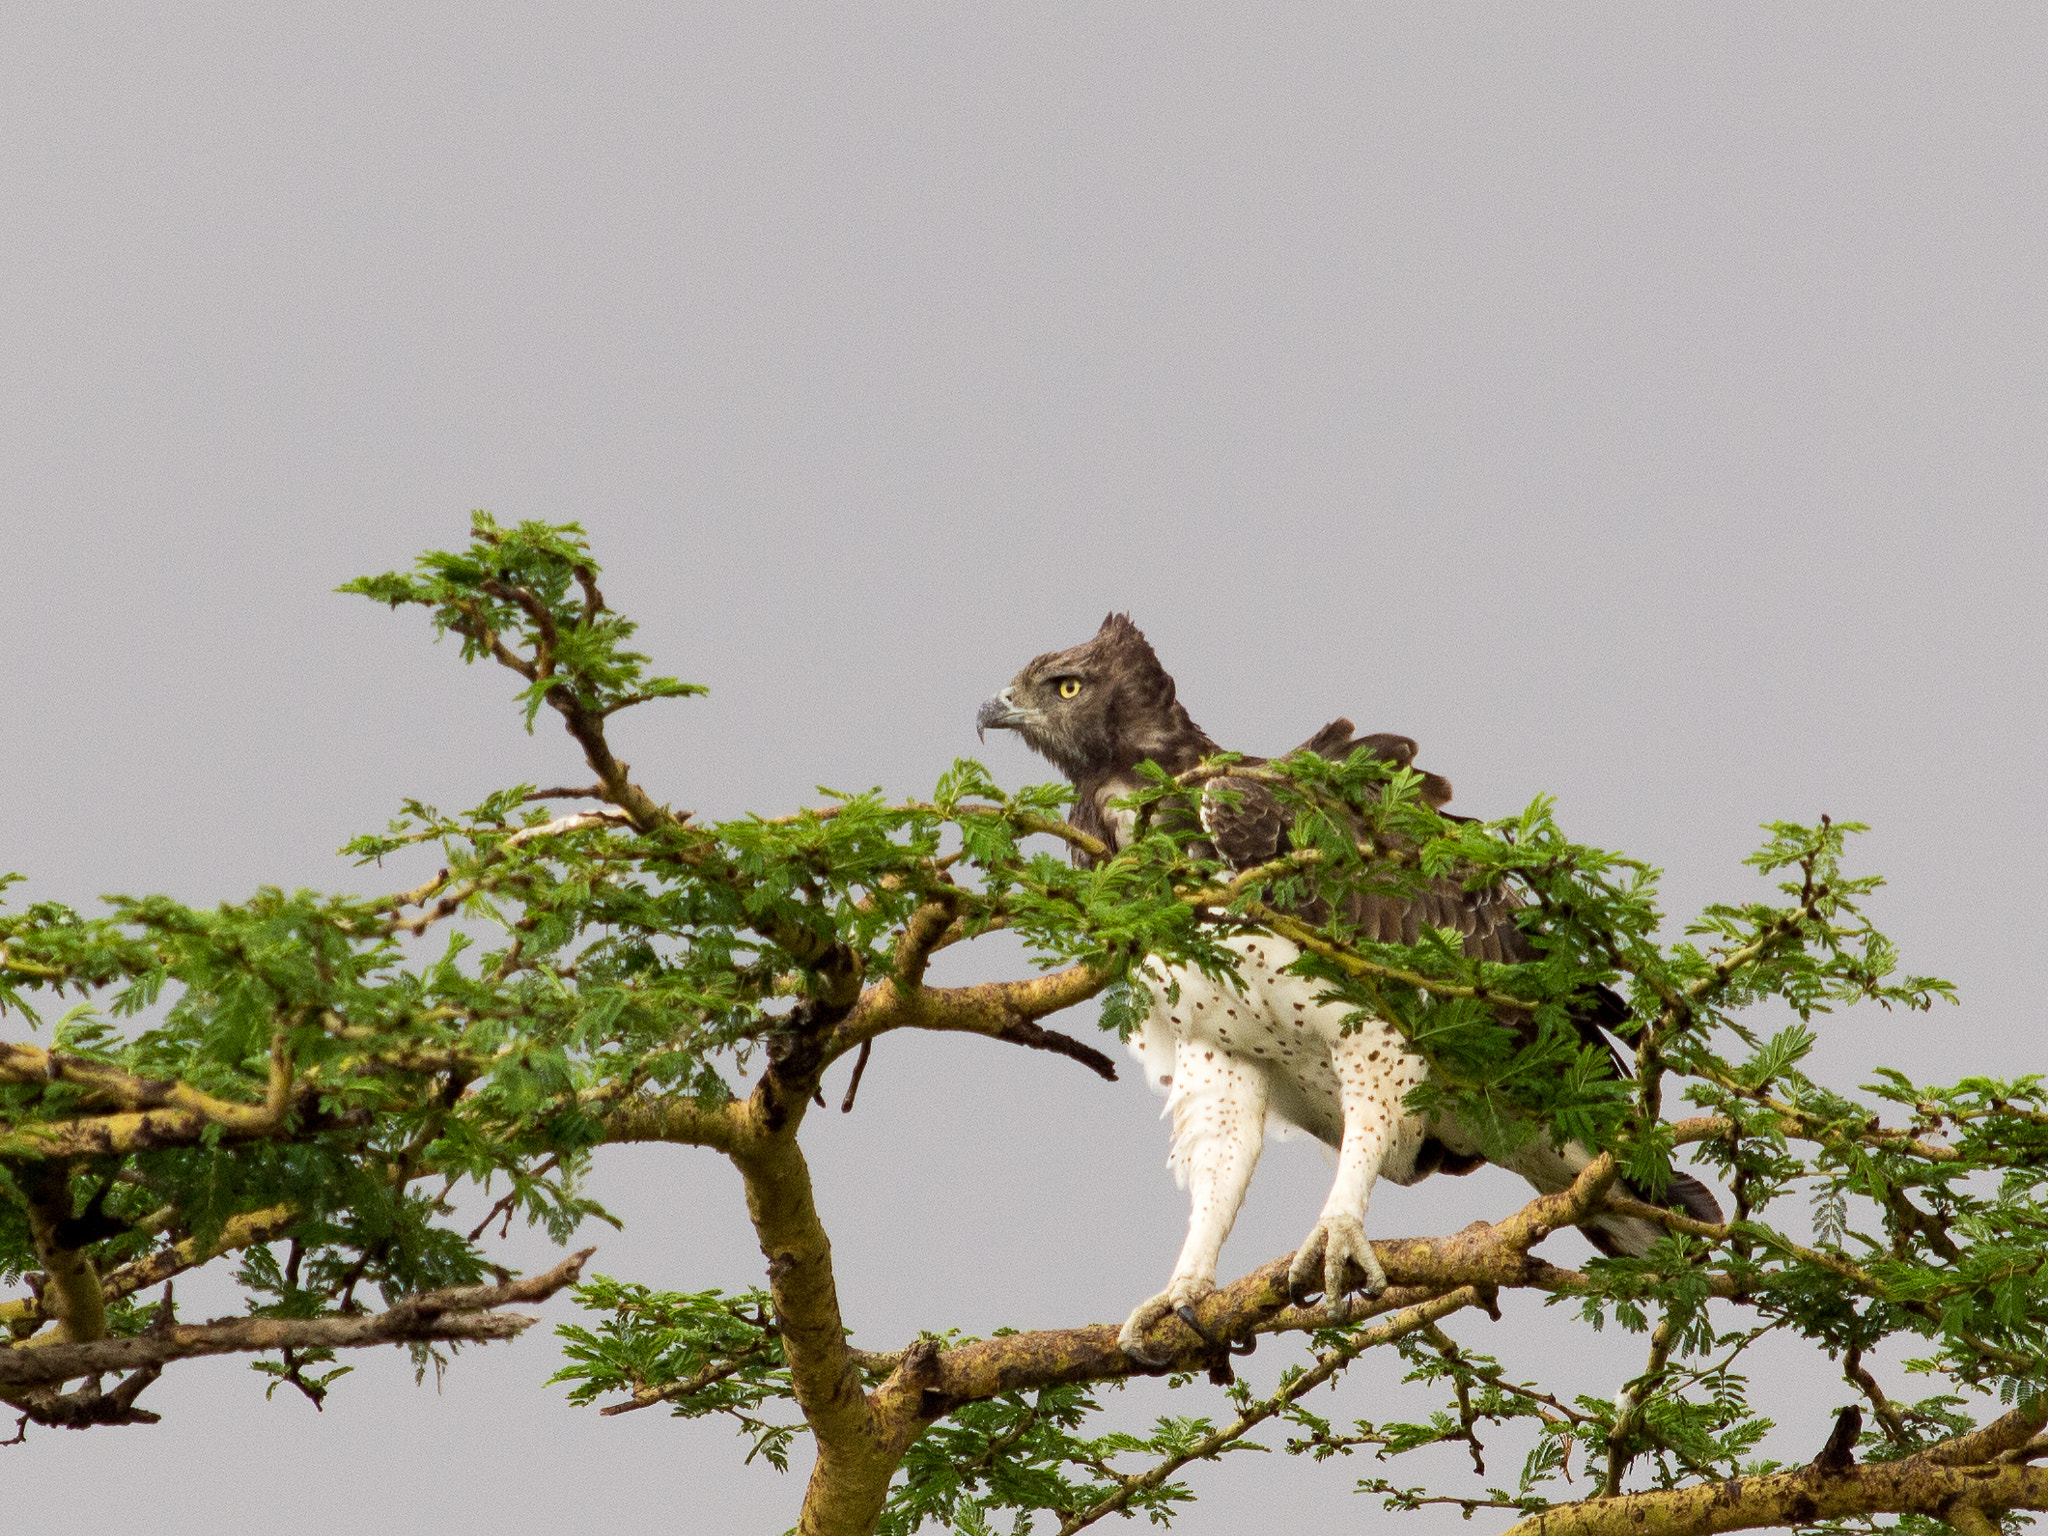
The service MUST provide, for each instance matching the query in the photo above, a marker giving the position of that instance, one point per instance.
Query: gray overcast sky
(1643, 405)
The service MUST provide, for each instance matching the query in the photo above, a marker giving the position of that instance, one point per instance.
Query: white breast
(1276, 1024)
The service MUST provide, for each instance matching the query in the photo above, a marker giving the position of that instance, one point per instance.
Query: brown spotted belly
(1276, 1024)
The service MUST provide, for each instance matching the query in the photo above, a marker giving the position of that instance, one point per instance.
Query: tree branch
(999, 1010)
(689, 1386)
(1636, 1395)
(851, 1477)
(921, 935)
(237, 1232)
(158, 1112)
(1307, 937)
(1485, 1256)
(587, 792)
(451, 903)
(87, 1406)
(1916, 1485)
(2002, 1434)
(71, 1287)
(457, 1312)
(1406, 1321)
(671, 1118)
(1797, 1122)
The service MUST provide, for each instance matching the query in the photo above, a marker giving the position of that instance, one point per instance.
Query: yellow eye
(1069, 686)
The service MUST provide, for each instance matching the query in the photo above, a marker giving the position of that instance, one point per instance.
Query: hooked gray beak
(999, 712)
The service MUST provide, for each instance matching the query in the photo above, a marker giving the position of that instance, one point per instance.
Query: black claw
(1146, 1360)
(1187, 1315)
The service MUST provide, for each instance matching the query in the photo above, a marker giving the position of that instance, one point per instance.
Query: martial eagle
(1232, 1058)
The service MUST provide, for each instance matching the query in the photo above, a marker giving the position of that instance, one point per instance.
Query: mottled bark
(71, 1294)
(236, 1233)
(851, 1476)
(458, 1312)
(1965, 1481)
(1963, 1496)
(151, 1113)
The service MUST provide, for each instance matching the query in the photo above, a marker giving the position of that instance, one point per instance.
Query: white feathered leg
(1218, 1106)
(1374, 1072)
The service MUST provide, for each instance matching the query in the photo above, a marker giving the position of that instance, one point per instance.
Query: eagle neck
(1174, 746)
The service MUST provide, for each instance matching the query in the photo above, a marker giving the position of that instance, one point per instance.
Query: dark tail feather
(1685, 1194)
(1631, 1237)
(1694, 1198)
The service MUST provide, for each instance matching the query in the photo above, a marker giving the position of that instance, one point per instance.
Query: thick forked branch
(851, 1477)
(860, 1440)
(236, 1233)
(152, 1113)
(1484, 1256)
(859, 1448)
(71, 1286)
(458, 1312)
(999, 1010)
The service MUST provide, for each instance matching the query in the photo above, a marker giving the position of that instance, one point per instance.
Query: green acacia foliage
(296, 1085)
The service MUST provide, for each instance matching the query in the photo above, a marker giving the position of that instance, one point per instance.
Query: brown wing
(1335, 742)
(1248, 827)
(1486, 918)
(1244, 820)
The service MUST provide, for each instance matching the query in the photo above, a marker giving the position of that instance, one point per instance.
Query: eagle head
(1099, 707)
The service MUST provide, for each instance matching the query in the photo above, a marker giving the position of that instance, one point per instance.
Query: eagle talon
(1177, 1300)
(1150, 1362)
(1221, 1345)
(1336, 1243)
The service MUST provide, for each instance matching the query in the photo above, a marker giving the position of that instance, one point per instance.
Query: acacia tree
(295, 1087)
